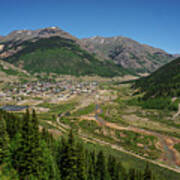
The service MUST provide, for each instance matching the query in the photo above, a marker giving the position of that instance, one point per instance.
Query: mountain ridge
(59, 55)
(20, 36)
(128, 52)
(122, 52)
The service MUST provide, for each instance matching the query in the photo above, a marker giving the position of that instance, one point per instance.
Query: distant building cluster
(62, 90)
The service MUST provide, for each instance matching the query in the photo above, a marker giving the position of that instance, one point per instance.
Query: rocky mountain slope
(128, 53)
(12, 43)
(52, 50)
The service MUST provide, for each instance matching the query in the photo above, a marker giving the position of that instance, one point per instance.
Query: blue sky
(153, 22)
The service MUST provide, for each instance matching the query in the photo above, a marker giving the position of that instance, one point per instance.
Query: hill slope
(9, 72)
(163, 82)
(56, 54)
(128, 53)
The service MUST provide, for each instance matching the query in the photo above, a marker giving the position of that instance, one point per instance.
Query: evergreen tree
(92, 165)
(4, 142)
(91, 172)
(81, 162)
(35, 124)
(132, 174)
(63, 157)
(112, 166)
(139, 175)
(13, 124)
(72, 158)
(147, 173)
(36, 156)
(21, 160)
(49, 166)
(120, 171)
(28, 156)
(68, 158)
(49, 139)
(101, 171)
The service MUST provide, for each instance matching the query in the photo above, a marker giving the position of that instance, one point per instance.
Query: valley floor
(107, 116)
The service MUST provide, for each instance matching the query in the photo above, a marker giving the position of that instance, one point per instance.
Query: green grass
(59, 108)
(113, 112)
(86, 110)
(55, 110)
(90, 126)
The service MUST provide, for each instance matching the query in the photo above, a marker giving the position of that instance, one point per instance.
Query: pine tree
(72, 158)
(37, 150)
(49, 166)
(35, 123)
(132, 174)
(13, 124)
(101, 171)
(120, 171)
(28, 158)
(90, 173)
(63, 157)
(112, 166)
(68, 158)
(92, 166)
(4, 142)
(147, 173)
(49, 139)
(19, 154)
(81, 162)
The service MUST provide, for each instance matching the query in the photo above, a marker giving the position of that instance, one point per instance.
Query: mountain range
(54, 50)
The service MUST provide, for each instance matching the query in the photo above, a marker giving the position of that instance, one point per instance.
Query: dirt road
(177, 114)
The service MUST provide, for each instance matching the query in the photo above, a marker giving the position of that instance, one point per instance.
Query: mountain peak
(24, 35)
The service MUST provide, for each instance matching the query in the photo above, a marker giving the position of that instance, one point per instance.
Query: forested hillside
(162, 83)
(61, 56)
(27, 153)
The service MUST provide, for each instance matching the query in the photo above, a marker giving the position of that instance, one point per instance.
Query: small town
(61, 90)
